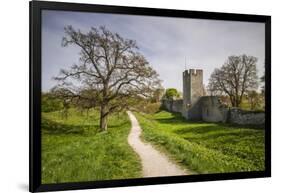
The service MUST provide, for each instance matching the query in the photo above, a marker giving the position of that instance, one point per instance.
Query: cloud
(164, 41)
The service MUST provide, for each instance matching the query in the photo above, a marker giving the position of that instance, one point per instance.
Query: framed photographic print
(124, 96)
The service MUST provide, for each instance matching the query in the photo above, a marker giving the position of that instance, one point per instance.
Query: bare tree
(237, 76)
(108, 64)
(157, 95)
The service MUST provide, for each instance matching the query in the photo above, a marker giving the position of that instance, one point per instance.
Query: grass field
(205, 147)
(73, 150)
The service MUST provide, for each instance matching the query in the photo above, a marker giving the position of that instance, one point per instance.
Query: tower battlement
(193, 72)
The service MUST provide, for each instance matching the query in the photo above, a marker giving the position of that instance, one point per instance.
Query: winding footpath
(154, 163)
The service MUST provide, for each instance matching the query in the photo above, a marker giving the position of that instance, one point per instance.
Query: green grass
(73, 150)
(205, 147)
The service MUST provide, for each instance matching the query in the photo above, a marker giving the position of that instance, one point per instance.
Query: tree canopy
(171, 93)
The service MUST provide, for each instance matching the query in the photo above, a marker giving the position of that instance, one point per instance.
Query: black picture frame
(36, 8)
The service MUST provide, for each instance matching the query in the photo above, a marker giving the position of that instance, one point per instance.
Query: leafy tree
(171, 94)
(50, 103)
(108, 64)
(236, 77)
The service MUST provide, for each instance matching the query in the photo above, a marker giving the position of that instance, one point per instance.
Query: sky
(170, 45)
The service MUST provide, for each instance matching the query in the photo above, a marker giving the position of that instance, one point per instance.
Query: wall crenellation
(193, 72)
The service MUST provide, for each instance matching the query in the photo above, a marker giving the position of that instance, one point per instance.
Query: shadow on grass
(120, 125)
(227, 136)
(176, 117)
(204, 129)
(52, 127)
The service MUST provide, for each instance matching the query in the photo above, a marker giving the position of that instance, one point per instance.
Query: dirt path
(154, 163)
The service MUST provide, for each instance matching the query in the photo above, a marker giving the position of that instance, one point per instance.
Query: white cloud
(164, 41)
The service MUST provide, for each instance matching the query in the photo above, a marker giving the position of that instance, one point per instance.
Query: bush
(50, 103)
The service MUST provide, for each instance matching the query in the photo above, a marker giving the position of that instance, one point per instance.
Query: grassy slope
(72, 150)
(205, 147)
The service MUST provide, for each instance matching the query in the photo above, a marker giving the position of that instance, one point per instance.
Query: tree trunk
(237, 102)
(232, 100)
(103, 117)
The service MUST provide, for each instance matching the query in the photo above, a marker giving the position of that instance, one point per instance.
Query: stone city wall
(210, 109)
(242, 117)
(173, 105)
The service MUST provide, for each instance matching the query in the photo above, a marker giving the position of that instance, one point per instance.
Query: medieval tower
(193, 87)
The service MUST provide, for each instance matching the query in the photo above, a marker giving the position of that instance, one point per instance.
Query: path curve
(154, 163)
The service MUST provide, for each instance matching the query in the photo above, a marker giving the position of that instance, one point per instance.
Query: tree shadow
(204, 129)
(228, 136)
(52, 127)
(111, 126)
(179, 120)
